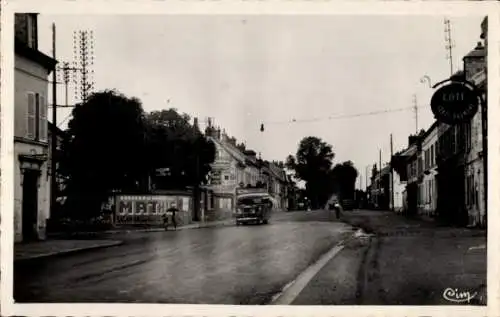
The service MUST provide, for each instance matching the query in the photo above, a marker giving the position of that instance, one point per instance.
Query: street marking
(294, 288)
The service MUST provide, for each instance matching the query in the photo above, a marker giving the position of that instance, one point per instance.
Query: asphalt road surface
(225, 265)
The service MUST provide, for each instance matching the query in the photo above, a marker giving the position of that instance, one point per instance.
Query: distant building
(405, 164)
(228, 171)
(427, 188)
(31, 148)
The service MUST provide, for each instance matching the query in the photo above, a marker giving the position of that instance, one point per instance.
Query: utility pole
(83, 48)
(379, 176)
(65, 74)
(366, 177)
(415, 110)
(196, 185)
(392, 178)
(53, 147)
(449, 43)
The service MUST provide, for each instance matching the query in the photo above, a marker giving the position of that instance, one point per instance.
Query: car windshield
(252, 200)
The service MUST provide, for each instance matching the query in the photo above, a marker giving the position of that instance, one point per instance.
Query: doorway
(30, 205)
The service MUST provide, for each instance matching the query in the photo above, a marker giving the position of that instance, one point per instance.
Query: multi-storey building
(32, 179)
(405, 164)
(228, 171)
(427, 192)
(252, 171)
(475, 189)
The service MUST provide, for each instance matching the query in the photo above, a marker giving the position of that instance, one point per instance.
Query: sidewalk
(53, 247)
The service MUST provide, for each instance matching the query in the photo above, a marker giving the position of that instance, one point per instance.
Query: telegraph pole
(415, 110)
(196, 185)
(392, 177)
(366, 177)
(379, 176)
(53, 151)
(83, 48)
(449, 43)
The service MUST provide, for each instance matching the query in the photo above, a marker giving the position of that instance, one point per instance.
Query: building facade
(475, 189)
(32, 179)
(228, 172)
(405, 165)
(427, 188)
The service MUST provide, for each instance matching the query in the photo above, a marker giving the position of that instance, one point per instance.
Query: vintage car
(253, 206)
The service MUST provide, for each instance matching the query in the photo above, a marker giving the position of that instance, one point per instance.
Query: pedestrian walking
(172, 211)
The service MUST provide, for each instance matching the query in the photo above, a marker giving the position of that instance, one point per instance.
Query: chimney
(218, 134)
(412, 139)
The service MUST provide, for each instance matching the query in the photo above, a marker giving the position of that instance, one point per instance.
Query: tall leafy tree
(104, 151)
(312, 164)
(178, 147)
(344, 176)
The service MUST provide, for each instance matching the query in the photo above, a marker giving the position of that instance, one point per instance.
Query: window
(36, 125)
(433, 161)
(31, 124)
(42, 119)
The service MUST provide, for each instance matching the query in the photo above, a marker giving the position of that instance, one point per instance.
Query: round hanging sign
(454, 103)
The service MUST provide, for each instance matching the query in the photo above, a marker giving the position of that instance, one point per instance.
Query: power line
(335, 117)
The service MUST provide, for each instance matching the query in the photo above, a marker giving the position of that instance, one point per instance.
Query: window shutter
(42, 119)
(31, 124)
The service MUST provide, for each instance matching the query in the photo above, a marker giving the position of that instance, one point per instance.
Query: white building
(32, 179)
(228, 171)
(427, 193)
(399, 189)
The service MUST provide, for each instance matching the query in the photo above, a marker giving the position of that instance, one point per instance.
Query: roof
(479, 51)
(434, 125)
(34, 55)
(230, 149)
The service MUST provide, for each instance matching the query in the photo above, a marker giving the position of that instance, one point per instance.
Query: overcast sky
(245, 70)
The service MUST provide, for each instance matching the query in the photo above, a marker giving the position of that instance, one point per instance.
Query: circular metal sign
(454, 103)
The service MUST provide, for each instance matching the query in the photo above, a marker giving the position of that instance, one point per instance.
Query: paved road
(405, 262)
(227, 265)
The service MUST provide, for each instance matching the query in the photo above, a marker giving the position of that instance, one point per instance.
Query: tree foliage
(113, 145)
(179, 148)
(104, 150)
(312, 164)
(344, 177)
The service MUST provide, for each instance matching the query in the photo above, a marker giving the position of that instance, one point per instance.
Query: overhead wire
(334, 117)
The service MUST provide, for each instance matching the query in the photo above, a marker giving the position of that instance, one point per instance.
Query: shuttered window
(31, 119)
(42, 119)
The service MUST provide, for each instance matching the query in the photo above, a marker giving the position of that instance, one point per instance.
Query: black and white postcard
(248, 158)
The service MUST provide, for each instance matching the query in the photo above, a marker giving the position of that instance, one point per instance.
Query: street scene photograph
(250, 159)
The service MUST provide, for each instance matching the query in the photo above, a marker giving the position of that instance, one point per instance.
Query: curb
(68, 252)
(187, 227)
(111, 244)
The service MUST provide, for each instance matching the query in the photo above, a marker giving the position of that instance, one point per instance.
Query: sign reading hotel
(454, 103)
